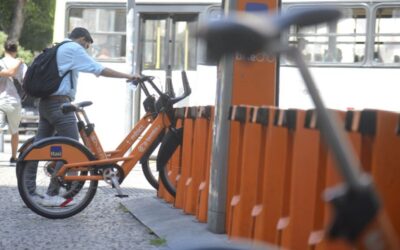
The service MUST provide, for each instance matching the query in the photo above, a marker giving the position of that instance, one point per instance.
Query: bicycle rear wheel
(33, 183)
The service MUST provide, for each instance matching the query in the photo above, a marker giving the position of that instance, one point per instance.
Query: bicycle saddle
(249, 33)
(72, 107)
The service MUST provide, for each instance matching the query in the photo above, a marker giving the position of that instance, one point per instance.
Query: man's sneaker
(62, 192)
(36, 197)
(55, 201)
(13, 161)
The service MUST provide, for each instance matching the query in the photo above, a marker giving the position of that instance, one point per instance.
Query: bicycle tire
(151, 178)
(148, 174)
(171, 141)
(33, 184)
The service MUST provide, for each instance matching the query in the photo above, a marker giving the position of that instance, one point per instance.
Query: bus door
(166, 45)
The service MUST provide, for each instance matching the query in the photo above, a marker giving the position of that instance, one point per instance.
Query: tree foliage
(38, 27)
(38, 24)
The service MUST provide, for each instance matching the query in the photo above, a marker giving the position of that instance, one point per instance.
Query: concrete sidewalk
(172, 224)
(182, 231)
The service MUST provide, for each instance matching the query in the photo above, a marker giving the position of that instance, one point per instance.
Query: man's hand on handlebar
(135, 79)
(131, 78)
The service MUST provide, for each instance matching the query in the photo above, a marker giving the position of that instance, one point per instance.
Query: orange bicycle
(77, 167)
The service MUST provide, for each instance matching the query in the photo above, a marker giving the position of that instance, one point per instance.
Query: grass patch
(123, 208)
(158, 242)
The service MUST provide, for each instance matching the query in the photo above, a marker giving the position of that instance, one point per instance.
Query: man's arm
(107, 72)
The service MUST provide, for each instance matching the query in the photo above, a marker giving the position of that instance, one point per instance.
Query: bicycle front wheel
(67, 198)
(151, 174)
(170, 144)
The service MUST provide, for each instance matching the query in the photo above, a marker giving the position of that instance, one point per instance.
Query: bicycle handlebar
(186, 89)
(143, 78)
(249, 33)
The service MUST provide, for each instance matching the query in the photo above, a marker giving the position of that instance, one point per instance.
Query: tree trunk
(17, 20)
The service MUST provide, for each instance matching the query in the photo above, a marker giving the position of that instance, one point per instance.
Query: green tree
(37, 32)
(38, 22)
(6, 12)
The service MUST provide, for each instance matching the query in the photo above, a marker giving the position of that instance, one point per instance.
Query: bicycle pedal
(122, 195)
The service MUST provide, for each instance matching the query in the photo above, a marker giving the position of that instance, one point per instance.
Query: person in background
(10, 102)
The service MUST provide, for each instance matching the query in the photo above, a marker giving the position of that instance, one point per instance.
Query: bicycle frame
(90, 139)
(157, 126)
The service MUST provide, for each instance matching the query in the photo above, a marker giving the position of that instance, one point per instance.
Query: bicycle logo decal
(55, 151)
(142, 147)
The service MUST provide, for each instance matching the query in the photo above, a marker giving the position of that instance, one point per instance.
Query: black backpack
(42, 78)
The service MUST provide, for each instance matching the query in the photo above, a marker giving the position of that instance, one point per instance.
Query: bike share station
(204, 188)
(244, 169)
(250, 170)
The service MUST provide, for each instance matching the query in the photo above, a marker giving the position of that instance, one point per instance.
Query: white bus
(142, 36)
(355, 62)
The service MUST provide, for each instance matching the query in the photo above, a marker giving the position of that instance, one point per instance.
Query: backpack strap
(69, 71)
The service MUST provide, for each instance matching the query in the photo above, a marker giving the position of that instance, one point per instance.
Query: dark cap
(79, 32)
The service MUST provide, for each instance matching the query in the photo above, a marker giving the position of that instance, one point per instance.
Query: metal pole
(2, 141)
(130, 17)
(219, 155)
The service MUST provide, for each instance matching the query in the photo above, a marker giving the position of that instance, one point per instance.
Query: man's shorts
(10, 113)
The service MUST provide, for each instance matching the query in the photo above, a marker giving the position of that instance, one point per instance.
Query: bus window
(184, 46)
(334, 43)
(107, 27)
(387, 35)
(169, 39)
(154, 42)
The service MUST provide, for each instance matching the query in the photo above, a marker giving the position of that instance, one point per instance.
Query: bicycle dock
(275, 183)
(272, 170)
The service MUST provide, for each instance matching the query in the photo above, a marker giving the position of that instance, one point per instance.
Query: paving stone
(104, 224)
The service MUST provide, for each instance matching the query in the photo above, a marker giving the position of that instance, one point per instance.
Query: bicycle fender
(26, 144)
(56, 149)
(169, 144)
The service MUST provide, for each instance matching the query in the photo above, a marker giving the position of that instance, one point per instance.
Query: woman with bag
(10, 102)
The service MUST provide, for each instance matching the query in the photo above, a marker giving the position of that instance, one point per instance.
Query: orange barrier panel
(292, 117)
(243, 203)
(333, 178)
(329, 177)
(237, 115)
(202, 207)
(308, 155)
(162, 192)
(199, 151)
(267, 210)
(380, 127)
(186, 157)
